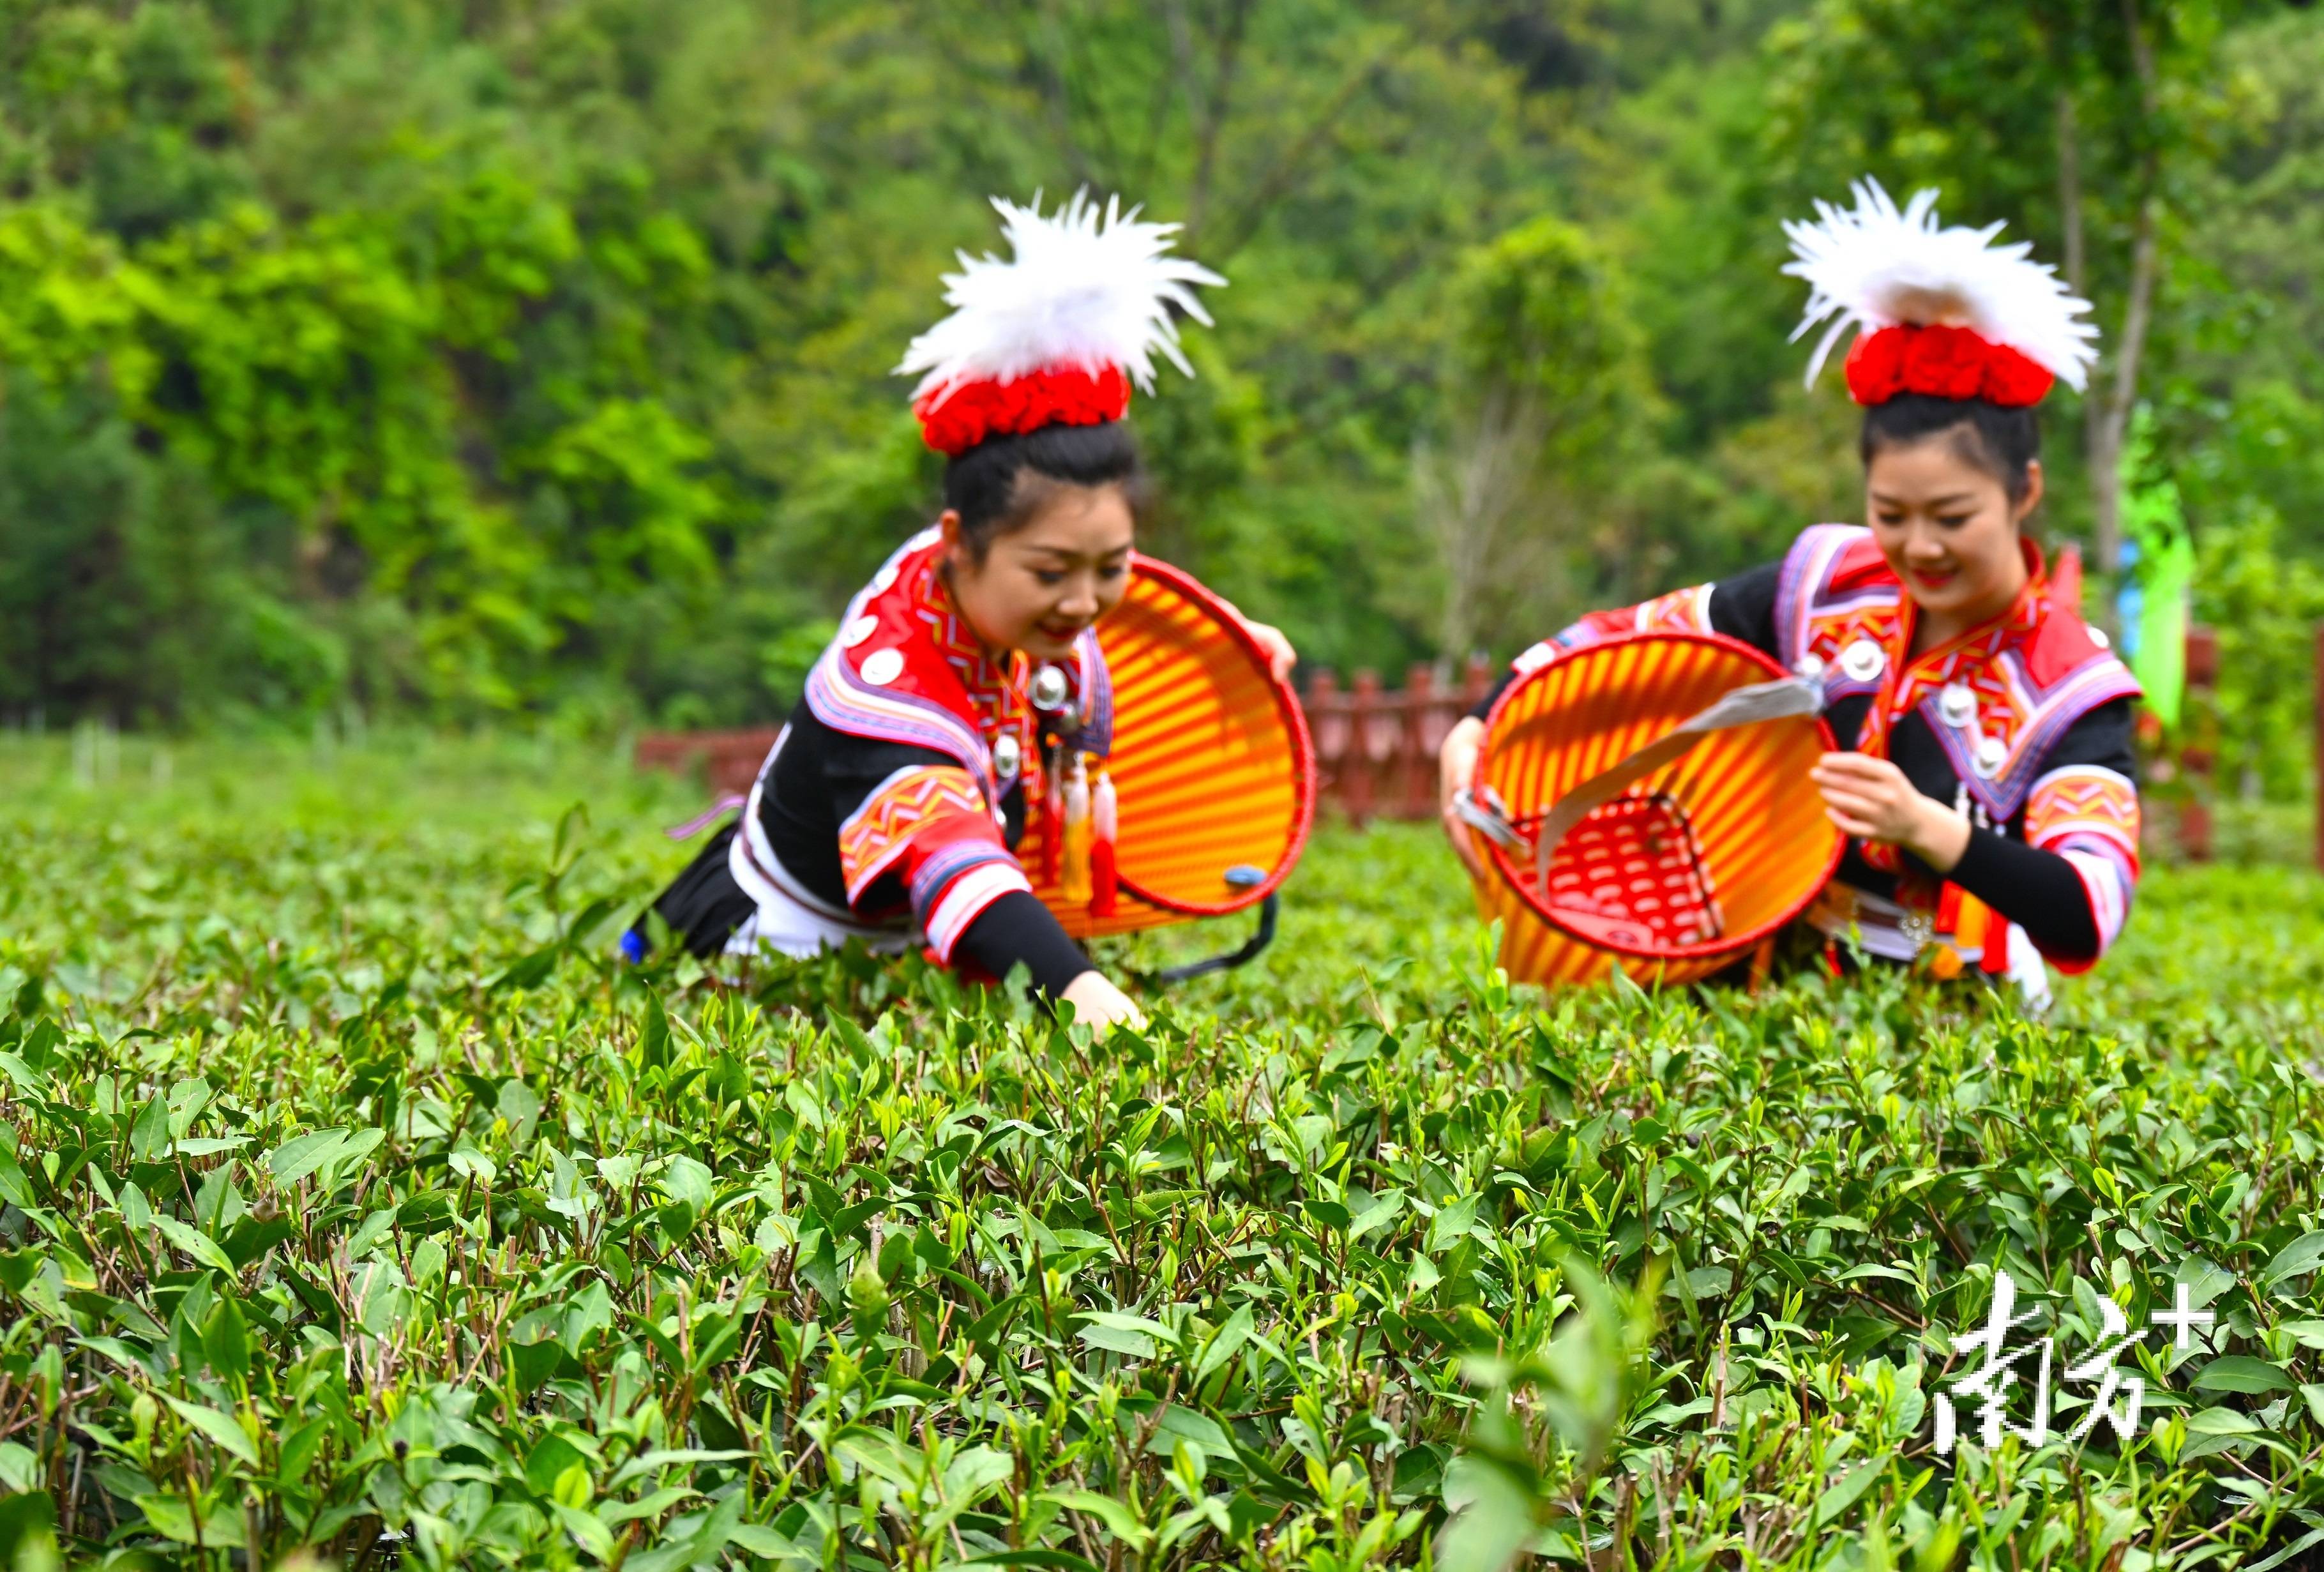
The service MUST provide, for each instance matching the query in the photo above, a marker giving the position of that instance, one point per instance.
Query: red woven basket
(1692, 865)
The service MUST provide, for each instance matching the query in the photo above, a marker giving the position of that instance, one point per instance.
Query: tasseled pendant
(1053, 814)
(1950, 899)
(1074, 876)
(1944, 952)
(1104, 827)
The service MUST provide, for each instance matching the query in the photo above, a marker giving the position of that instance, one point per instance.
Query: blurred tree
(1551, 408)
(2243, 410)
(523, 358)
(130, 594)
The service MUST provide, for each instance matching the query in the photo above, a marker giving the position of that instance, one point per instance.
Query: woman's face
(1948, 528)
(1043, 583)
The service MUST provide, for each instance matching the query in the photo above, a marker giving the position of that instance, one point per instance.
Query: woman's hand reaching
(1456, 772)
(1280, 656)
(1096, 1000)
(1870, 798)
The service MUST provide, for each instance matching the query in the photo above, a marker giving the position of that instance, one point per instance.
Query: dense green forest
(530, 357)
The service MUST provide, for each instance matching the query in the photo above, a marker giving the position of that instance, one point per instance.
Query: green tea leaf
(2239, 1373)
(219, 1427)
(2297, 1259)
(302, 1155)
(198, 1245)
(225, 1340)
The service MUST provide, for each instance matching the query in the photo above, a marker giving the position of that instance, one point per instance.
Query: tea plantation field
(359, 1211)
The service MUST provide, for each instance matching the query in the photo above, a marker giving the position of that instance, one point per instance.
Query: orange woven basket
(1691, 866)
(1213, 769)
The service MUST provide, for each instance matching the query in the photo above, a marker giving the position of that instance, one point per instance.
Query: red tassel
(1995, 961)
(1104, 885)
(1106, 820)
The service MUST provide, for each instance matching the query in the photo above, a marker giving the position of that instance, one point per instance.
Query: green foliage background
(530, 358)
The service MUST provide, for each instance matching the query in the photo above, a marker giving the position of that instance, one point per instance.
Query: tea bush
(357, 1206)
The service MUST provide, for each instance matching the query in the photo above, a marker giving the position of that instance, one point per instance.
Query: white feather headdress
(1085, 288)
(1874, 267)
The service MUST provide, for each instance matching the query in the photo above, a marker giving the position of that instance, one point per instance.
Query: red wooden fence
(728, 760)
(1377, 749)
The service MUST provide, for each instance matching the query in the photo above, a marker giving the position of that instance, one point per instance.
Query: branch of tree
(1214, 118)
(2069, 192)
(1284, 172)
(2139, 312)
(2108, 413)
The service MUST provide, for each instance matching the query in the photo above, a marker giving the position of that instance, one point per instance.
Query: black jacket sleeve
(1744, 608)
(2038, 891)
(1018, 928)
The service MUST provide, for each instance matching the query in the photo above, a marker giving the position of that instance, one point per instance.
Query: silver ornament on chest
(1863, 660)
(1048, 689)
(1007, 755)
(1956, 705)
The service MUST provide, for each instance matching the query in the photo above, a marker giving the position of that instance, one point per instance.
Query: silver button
(860, 629)
(1957, 704)
(881, 667)
(1862, 660)
(1810, 666)
(1991, 754)
(1006, 755)
(1048, 688)
(2098, 637)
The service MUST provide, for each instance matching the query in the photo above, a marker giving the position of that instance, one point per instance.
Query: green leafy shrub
(348, 1189)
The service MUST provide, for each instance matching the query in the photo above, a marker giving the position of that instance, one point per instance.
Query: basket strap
(1745, 706)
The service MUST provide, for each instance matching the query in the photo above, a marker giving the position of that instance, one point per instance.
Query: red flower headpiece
(1945, 362)
(956, 418)
(1055, 335)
